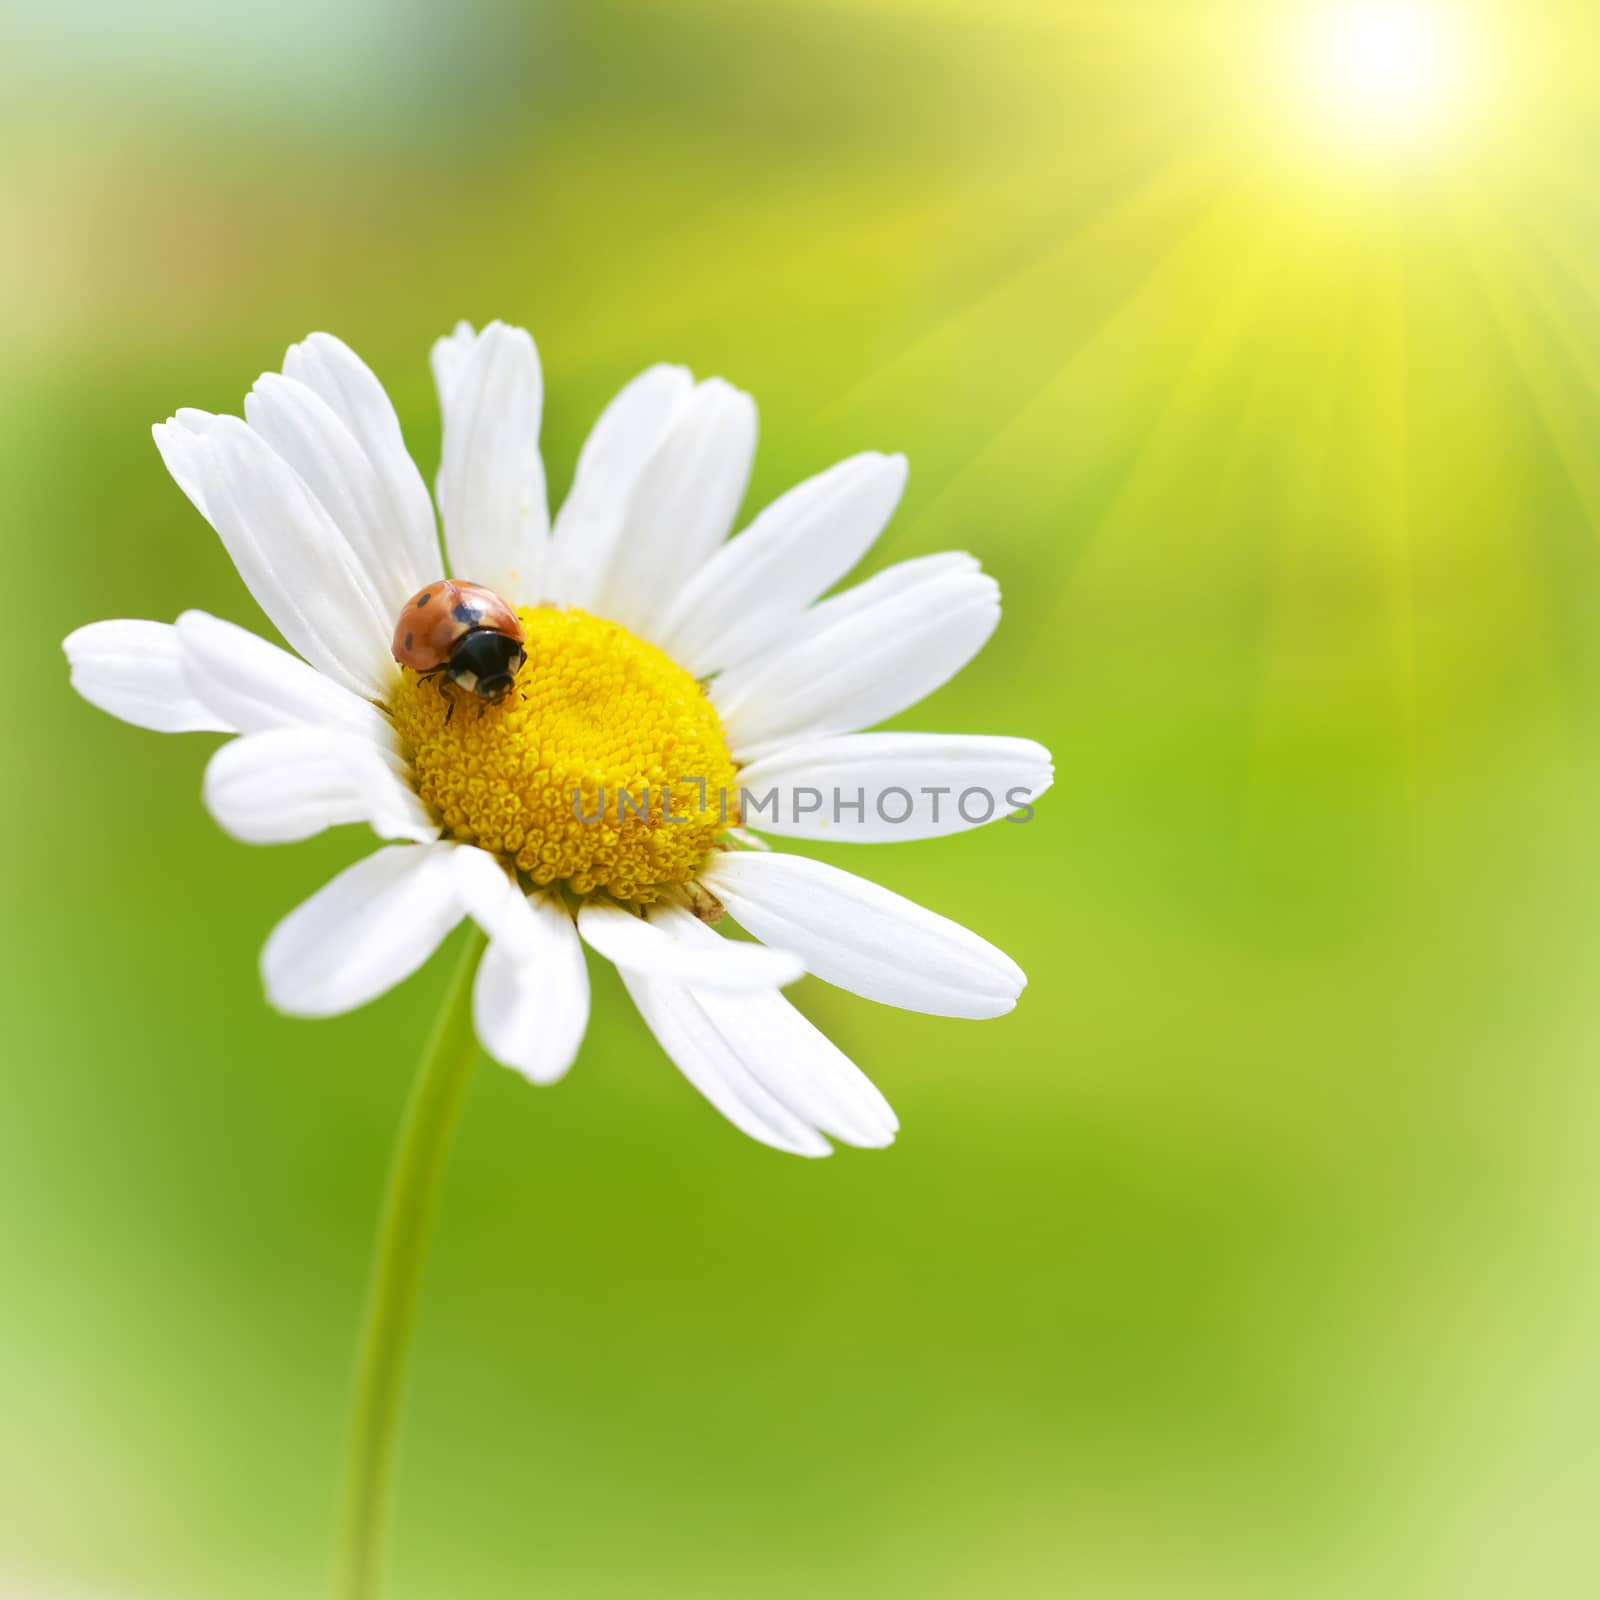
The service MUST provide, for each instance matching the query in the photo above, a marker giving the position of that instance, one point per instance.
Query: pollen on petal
(605, 767)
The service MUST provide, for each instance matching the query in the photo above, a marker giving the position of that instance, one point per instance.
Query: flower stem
(416, 1172)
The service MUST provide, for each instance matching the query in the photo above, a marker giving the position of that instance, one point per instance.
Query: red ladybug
(466, 632)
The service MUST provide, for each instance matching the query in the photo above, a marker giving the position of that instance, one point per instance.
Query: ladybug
(464, 631)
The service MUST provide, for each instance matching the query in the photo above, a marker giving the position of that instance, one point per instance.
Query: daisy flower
(678, 688)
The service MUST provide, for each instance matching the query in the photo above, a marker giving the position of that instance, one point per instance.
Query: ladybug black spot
(408, 636)
(423, 599)
(468, 614)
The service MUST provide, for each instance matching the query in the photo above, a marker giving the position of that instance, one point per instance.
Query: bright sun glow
(1383, 73)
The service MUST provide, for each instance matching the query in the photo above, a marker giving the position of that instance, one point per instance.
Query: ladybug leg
(437, 675)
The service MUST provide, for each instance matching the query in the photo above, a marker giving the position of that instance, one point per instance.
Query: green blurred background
(1258, 1252)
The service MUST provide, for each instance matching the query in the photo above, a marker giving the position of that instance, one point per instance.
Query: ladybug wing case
(477, 607)
(428, 629)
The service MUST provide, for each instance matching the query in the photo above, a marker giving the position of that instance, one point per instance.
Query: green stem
(415, 1174)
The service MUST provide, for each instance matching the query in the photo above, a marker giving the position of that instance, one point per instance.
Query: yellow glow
(1382, 72)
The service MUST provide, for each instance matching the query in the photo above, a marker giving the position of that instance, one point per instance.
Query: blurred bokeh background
(1256, 349)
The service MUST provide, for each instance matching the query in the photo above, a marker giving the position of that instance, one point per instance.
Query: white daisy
(660, 654)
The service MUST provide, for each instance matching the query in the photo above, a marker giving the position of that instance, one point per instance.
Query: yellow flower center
(605, 767)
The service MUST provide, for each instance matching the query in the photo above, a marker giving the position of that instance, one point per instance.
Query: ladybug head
(486, 662)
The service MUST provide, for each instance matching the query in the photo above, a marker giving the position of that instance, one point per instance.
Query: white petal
(874, 788)
(682, 506)
(664, 949)
(757, 585)
(134, 670)
(291, 783)
(617, 450)
(256, 686)
(449, 356)
(181, 441)
(313, 439)
(864, 938)
(364, 932)
(860, 658)
(288, 550)
(339, 376)
(491, 478)
(701, 1053)
(902, 578)
(789, 1057)
(799, 1066)
(488, 892)
(530, 1001)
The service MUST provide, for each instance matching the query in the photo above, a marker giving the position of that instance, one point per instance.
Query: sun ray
(1392, 507)
(1144, 299)
(1157, 225)
(1488, 244)
(1320, 380)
